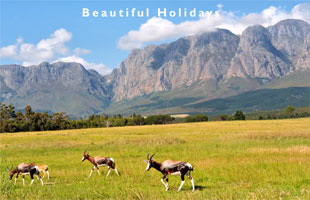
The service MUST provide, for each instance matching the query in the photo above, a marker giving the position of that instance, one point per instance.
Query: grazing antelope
(169, 167)
(24, 169)
(44, 168)
(98, 162)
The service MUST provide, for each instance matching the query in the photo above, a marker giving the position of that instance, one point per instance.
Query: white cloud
(158, 29)
(45, 50)
(80, 51)
(8, 51)
(50, 49)
(99, 67)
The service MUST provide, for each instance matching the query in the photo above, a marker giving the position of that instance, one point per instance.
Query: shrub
(239, 115)
(197, 118)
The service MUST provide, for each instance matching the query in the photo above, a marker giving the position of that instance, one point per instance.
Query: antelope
(98, 162)
(24, 169)
(44, 168)
(169, 167)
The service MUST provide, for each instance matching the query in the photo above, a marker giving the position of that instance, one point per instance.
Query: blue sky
(36, 31)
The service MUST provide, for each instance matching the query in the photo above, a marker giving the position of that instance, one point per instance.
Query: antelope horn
(152, 156)
(84, 151)
(147, 157)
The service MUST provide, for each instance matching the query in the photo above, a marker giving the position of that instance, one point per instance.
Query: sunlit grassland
(232, 160)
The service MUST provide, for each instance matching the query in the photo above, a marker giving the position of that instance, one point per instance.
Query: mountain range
(185, 76)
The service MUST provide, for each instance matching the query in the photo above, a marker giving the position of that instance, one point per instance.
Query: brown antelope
(169, 167)
(98, 162)
(24, 169)
(44, 168)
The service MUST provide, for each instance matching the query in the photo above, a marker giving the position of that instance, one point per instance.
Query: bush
(223, 117)
(239, 115)
(158, 119)
(289, 111)
(197, 118)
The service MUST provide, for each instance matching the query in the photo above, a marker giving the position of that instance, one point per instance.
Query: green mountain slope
(295, 79)
(74, 103)
(172, 101)
(264, 99)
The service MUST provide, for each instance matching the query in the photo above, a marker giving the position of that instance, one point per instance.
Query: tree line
(12, 121)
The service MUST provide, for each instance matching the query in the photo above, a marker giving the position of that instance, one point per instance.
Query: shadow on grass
(200, 187)
(197, 187)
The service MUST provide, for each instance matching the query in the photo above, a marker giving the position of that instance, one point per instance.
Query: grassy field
(232, 160)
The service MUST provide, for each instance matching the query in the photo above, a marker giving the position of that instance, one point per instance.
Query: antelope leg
(116, 171)
(162, 180)
(91, 171)
(182, 178)
(193, 184)
(181, 185)
(192, 180)
(109, 171)
(48, 174)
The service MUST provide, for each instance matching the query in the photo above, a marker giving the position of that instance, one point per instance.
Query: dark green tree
(239, 115)
(289, 110)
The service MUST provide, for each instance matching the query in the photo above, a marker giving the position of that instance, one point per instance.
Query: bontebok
(44, 169)
(24, 169)
(169, 167)
(98, 162)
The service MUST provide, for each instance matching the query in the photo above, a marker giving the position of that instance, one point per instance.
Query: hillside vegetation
(250, 101)
(232, 160)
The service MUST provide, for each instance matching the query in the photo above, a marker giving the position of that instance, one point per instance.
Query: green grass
(232, 160)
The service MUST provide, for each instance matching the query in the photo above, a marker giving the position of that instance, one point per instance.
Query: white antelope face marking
(85, 156)
(149, 162)
(148, 166)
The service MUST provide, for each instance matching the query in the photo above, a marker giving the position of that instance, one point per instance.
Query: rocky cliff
(259, 53)
(210, 65)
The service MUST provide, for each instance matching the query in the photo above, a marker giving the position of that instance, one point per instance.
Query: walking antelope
(24, 169)
(98, 162)
(44, 168)
(169, 167)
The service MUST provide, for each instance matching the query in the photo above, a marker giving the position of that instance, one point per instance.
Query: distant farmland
(232, 160)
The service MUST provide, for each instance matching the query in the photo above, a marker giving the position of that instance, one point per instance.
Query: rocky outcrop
(257, 57)
(259, 53)
(15, 79)
(180, 63)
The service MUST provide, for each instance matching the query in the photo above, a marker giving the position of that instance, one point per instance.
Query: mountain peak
(208, 65)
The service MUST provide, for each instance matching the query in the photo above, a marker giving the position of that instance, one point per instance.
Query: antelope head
(11, 172)
(149, 162)
(85, 156)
